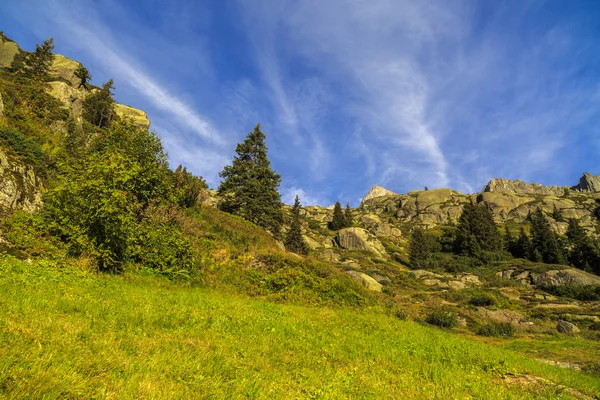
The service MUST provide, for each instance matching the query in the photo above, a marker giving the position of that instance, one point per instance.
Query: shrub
(482, 300)
(582, 293)
(442, 318)
(503, 329)
(401, 315)
(22, 146)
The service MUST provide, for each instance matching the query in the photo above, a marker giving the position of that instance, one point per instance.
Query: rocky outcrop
(71, 97)
(359, 239)
(138, 117)
(8, 51)
(555, 277)
(501, 185)
(364, 279)
(20, 186)
(588, 183)
(1, 107)
(377, 191)
(64, 68)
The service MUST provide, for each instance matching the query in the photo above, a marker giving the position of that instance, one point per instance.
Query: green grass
(71, 334)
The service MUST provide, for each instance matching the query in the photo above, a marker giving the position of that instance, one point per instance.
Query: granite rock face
(20, 186)
(377, 191)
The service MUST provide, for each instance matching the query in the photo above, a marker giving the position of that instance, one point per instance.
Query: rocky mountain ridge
(64, 84)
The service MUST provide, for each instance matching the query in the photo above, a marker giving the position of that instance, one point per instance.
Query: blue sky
(351, 94)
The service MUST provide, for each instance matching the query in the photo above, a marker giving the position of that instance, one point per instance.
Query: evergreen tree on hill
(418, 250)
(84, 75)
(477, 232)
(337, 222)
(347, 216)
(38, 63)
(98, 107)
(250, 187)
(294, 241)
(544, 241)
(583, 254)
(522, 247)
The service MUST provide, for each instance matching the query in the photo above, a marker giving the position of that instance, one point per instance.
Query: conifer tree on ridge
(250, 187)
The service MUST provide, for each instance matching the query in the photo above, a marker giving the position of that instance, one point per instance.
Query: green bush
(401, 315)
(483, 300)
(503, 329)
(582, 293)
(22, 146)
(442, 318)
(452, 263)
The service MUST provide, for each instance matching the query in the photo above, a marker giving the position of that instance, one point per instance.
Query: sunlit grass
(70, 334)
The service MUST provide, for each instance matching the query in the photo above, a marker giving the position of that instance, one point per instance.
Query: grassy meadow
(69, 333)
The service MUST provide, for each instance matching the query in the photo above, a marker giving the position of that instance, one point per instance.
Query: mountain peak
(377, 191)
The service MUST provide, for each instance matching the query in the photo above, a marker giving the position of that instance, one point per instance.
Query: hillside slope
(69, 334)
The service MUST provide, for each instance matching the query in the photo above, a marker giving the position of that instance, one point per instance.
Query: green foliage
(28, 235)
(476, 232)
(401, 315)
(83, 74)
(442, 318)
(92, 210)
(545, 244)
(583, 252)
(452, 263)
(250, 186)
(294, 240)
(582, 293)
(161, 244)
(338, 221)
(187, 187)
(37, 64)
(98, 106)
(348, 222)
(502, 329)
(483, 300)
(421, 247)
(29, 150)
(522, 247)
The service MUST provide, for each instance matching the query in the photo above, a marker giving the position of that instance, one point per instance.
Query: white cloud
(306, 199)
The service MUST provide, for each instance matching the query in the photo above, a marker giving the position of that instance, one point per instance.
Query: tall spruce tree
(418, 249)
(522, 247)
(582, 252)
(250, 187)
(294, 241)
(38, 63)
(476, 232)
(544, 242)
(337, 222)
(347, 216)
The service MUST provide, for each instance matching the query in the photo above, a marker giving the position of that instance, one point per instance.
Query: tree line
(477, 239)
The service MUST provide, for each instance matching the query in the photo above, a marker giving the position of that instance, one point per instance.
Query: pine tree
(347, 216)
(476, 232)
(509, 241)
(544, 240)
(418, 249)
(38, 63)
(294, 241)
(83, 74)
(583, 254)
(250, 187)
(337, 222)
(98, 107)
(523, 246)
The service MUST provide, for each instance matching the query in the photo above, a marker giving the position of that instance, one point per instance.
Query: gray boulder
(359, 239)
(566, 327)
(368, 282)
